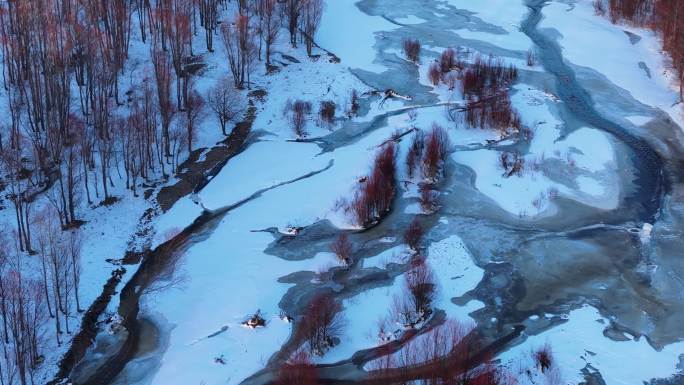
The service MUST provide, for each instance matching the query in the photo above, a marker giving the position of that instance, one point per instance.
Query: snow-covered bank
(579, 343)
(579, 166)
(351, 34)
(502, 27)
(636, 65)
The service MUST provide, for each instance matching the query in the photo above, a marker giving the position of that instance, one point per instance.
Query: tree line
(75, 129)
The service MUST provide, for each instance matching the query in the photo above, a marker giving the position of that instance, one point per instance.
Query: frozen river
(582, 251)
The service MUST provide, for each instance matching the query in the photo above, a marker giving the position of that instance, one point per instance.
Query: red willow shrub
(402, 310)
(420, 282)
(299, 110)
(415, 153)
(488, 104)
(436, 152)
(343, 249)
(326, 111)
(428, 197)
(512, 164)
(494, 112)
(543, 358)
(633, 11)
(487, 76)
(447, 61)
(441, 70)
(322, 323)
(442, 355)
(670, 23)
(531, 58)
(414, 304)
(354, 104)
(414, 234)
(412, 49)
(434, 74)
(386, 362)
(375, 195)
(299, 370)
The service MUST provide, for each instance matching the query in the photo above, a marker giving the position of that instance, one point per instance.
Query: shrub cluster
(322, 323)
(326, 112)
(435, 154)
(298, 111)
(412, 49)
(374, 197)
(495, 112)
(486, 76)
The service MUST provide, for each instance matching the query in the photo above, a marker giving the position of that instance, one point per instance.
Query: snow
(278, 160)
(183, 212)
(351, 34)
(645, 233)
(453, 264)
(583, 34)
(639, 120)
(506, 14)
(410, 19)
(395, 254)
(595, 147)
(241, 280)
(348, 164)
(456, 274)
(590, 186)
(580, 342)
(363, 314)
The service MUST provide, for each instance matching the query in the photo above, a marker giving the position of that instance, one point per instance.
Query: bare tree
(162, 73)
(293, 9)
(74, 246)
(238, 40)
(181, 40)
(312, 11)
(26, 318)
(209, 20)
(14, 164)
(270, 25)
(5, 250)
(225, 102)
(298, 111)
(194, 112)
